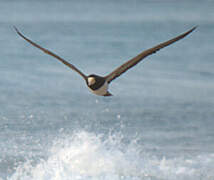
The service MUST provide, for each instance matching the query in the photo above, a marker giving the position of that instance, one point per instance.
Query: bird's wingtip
(194, 27)
(191, 30)
(16, 29)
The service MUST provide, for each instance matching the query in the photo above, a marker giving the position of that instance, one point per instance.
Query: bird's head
(91, 80)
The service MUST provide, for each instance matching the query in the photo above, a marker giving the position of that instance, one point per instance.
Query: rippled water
(159, 123)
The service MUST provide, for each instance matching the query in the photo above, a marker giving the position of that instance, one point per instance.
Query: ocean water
(159, 125)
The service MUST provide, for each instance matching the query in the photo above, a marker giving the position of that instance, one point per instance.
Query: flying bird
(99, 84)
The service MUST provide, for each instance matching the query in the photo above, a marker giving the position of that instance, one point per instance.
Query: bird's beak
(91, 81)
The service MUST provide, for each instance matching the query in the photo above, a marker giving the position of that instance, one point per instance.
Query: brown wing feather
(124, 67)
(52, 54)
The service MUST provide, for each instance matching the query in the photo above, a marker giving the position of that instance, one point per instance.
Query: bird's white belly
(101, 91)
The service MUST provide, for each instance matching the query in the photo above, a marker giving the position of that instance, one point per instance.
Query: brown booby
(99, 84)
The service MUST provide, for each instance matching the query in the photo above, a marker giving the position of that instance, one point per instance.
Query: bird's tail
(108, 94)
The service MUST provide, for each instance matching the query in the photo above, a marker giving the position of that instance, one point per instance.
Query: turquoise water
(159, 123)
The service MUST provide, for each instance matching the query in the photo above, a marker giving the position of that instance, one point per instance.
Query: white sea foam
(90, 156)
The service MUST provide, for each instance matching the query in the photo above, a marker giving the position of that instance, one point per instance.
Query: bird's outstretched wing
(124, 67)
(52, 54)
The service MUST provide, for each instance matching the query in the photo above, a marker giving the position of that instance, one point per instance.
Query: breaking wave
(88, 156)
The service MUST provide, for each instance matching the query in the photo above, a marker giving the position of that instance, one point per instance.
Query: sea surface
(159, 123)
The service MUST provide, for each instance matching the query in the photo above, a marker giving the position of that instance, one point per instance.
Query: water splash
(87, 156)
